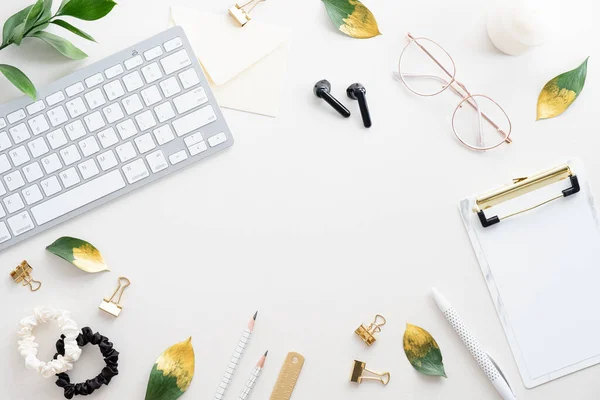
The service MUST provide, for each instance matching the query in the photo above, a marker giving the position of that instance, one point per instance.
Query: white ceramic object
(517, 26)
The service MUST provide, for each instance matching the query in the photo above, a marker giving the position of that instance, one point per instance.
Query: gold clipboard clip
(22, 275)
(239, 12)
(110, 305)
(360, 368)
(521, 186)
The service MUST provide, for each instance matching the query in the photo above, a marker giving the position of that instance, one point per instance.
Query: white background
(310, 218)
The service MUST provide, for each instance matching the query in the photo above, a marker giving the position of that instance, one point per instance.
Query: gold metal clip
(22, 274)
(367, 333)
(359, 369)
(112, 307)
(239, 12)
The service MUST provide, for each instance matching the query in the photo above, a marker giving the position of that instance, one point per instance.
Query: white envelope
(245, 66)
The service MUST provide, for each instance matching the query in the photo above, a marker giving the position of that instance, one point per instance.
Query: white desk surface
(310, 218)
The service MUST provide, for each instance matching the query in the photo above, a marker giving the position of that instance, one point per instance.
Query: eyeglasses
(478, 121)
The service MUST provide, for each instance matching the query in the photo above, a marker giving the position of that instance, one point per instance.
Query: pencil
(247, 391)
(235, 359)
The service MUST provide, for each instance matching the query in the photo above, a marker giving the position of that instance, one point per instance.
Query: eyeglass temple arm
(469, 100)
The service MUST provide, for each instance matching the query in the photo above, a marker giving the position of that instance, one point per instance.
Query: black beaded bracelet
(111, 358)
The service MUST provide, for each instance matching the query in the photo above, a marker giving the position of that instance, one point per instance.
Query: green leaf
(19, 79)
(423, 351)
(73, 29)
(172, 373)
(560, 92)
(78, 252)
(352, 18)
(43, 21)
(88, 10)
(12, 23)
(63, 46)
(34, 14)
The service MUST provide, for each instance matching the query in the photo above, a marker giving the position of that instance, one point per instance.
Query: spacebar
(78, 197)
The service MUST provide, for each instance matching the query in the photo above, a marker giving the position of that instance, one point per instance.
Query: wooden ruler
(286, 382)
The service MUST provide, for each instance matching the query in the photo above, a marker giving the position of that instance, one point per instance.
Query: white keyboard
(104, 131)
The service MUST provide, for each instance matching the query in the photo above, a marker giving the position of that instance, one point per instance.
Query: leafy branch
(32, 21)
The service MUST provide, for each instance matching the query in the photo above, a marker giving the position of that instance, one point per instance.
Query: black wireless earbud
(356, 91)
(322, 90)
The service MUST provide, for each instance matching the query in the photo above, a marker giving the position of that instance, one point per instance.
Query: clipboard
(537, 241)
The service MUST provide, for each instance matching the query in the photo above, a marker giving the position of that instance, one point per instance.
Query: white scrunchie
(29, 348)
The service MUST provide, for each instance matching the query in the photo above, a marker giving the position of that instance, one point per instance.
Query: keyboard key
(75, 89)
(19, 133)
(38, 124)
(108, 137)
(51, 186)
(33, 172)
(163, 135)
(57, 116)
(170, 87)
(4, 141)
(136, 171)
(4, 165)
(114, 90)
(178, 157)
(94, 80)
(94, 121)
(95, 99)
(113, 113)
(173, 44)
(190, 100)
(55, 98)
(132, 104)
(37, 147)
(151, 95)
(75, 130)
(76, 107)
(13, 203)
(217, 139)
(88, 169)
(114, 71)
(145, 120)
(78, 197)
(164, 112)
(194, 120)
(126, 152)
(175, 62)
(69, 177)
(32, 194)
(51, 163)
(35, 107)
(89, 146)
(70, 155)
(16, 116)
(14, 180)
(2, 123)
(144, 143)
(156, 161)
(189, 78)
(19, 156)
(2, 193)
(197, 148)
(152, 72)
(127, 129)
(134, 62)
(133, 81)
(107, 160)
(20, 223)
(4, 234)
(193, 139)
(56, 138)
(153, 53)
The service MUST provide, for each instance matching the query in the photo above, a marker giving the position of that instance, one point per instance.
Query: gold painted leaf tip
(80, 253)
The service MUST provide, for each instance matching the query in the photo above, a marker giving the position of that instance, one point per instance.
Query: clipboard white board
(542, 269)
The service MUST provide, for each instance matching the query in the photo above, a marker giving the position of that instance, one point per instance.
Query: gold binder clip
(112, 307)
(367, 333)
(22, 274)
(359, 369)
(239, 13)
(521, 186)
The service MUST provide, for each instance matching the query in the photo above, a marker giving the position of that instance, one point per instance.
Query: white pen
(247, 390)
(485, 362)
